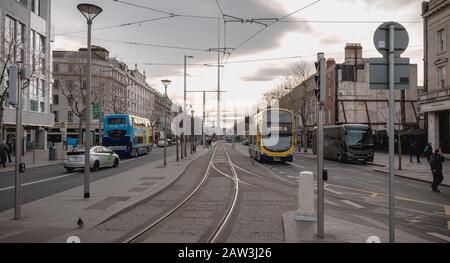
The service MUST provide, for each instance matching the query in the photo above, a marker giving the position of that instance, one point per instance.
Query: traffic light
(12, 84)
(320, 77)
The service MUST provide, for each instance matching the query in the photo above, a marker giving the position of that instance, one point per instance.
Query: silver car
(100, 157)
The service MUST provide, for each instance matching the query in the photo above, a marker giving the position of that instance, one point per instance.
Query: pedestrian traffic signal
(12, 84)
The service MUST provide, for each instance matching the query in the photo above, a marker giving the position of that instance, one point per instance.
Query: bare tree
(300, 101)
(10, 53)
(74, 90)
(119, 105)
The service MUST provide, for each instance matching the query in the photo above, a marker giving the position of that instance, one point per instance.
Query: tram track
(215, 234)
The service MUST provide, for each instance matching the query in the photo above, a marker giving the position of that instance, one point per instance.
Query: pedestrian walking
(428, 151)
(3, 153)
(10, 150)
(436, 161)
(412, 149)
(418, 151)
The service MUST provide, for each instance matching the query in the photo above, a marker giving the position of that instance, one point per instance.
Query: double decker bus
(127, 135)
(275, 139)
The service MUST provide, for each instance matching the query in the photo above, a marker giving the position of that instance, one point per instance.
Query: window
(348, 73)
(441, 40)
(42, 44)
(35, 7)
(42, 65)
(441, 78)
(56, 85)
(56, 99)
(56, 113)
(42, 104)
(69, 84)
(56, 67)
(70, 68)
(70, 116)
(42, 89)
(33, 105)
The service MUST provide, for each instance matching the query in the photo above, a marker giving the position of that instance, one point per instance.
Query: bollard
(305, 210)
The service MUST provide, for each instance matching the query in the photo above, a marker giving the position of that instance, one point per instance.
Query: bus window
(116, 121)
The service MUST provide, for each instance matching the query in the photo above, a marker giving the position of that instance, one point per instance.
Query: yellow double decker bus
(274, 140)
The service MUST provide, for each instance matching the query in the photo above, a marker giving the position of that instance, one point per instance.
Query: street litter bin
(52, 153)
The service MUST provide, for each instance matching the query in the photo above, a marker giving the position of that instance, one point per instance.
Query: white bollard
(306, 210)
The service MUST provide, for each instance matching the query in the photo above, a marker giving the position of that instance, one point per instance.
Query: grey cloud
(266, 74)
(388, 4)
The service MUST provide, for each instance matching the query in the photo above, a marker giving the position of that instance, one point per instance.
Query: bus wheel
(116, 162)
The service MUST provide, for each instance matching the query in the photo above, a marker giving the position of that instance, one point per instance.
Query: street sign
(379, 73)
(381, 39)
(379, 67)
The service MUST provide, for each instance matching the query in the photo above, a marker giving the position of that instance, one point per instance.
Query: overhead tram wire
(262, 29)
(146, 44)
(166, 12)
(118, 25)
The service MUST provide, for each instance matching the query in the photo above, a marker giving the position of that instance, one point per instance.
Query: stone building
(435, 100)
(26, 33)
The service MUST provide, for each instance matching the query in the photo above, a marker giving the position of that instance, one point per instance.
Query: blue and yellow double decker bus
(127, 135)
(274, 140)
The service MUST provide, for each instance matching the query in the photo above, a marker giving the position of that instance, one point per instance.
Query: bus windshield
(358, 137)
(116, 121)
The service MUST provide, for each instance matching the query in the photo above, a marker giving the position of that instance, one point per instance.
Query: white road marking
(281, 172)
(40, 181)
(332, 191)
(292, 177)
(440, 236)
(297, 165)
(352, 204)
(61, 176)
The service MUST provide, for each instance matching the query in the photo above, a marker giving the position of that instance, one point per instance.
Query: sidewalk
(40, 159)
(416, 171)
(338, 230)
(54, 218)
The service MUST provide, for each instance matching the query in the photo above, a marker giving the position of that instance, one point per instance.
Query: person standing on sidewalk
(3, 152)
(10, 150)
(436, 161)
(428, 151)
(412, 150)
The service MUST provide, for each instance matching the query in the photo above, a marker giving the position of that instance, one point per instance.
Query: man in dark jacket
(3, 152)
(436, 161)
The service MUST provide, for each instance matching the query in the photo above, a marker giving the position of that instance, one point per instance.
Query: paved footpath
(54, 218)
(40, 159)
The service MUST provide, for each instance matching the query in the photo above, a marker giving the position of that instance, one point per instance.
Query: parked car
(161, 143)
(100, 157)
(245, 142)
(169, 142)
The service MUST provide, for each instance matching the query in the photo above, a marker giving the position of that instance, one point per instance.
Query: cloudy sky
(191, 27)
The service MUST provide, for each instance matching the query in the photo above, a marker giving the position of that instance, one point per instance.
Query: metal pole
(18, 179)
(165, 123)
(176, 142)
(320, 127)
(184, 108)
(218, 93)
(391, 135)
(87, 154)
(203, 121)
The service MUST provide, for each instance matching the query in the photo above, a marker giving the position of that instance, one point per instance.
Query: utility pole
(321, 95)
(184, 107)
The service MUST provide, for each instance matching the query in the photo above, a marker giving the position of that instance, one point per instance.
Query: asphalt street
(44, 181)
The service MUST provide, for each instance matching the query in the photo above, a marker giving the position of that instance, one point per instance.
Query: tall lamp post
(90, 12)
(184, 104)
(166, 83)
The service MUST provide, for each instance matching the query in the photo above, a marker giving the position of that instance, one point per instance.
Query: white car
(100, 157)
(161, 143)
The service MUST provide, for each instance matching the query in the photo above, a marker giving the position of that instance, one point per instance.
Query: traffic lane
(52, 171)
(422, 210)
(365, 178)
(35, 191)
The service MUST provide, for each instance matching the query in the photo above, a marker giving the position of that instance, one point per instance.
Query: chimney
(353, 53)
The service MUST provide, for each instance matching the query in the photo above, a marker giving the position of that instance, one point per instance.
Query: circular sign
(381, 39)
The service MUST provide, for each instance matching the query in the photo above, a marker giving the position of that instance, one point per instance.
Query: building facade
(115, 89)
(435, 100)
(350, 99)
(26, 35)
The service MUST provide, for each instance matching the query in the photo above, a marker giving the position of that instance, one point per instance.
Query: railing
(434, 94)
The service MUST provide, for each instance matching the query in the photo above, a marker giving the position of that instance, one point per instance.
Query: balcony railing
(435, 95)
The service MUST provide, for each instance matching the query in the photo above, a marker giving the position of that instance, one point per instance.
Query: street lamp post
(184, 103)
(166, 83)
(90, 12)
(192, 132)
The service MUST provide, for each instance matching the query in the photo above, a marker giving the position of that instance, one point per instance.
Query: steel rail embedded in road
(213, 238)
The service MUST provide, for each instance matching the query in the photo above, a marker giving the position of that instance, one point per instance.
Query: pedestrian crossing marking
(440, 236)
(352, 204)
